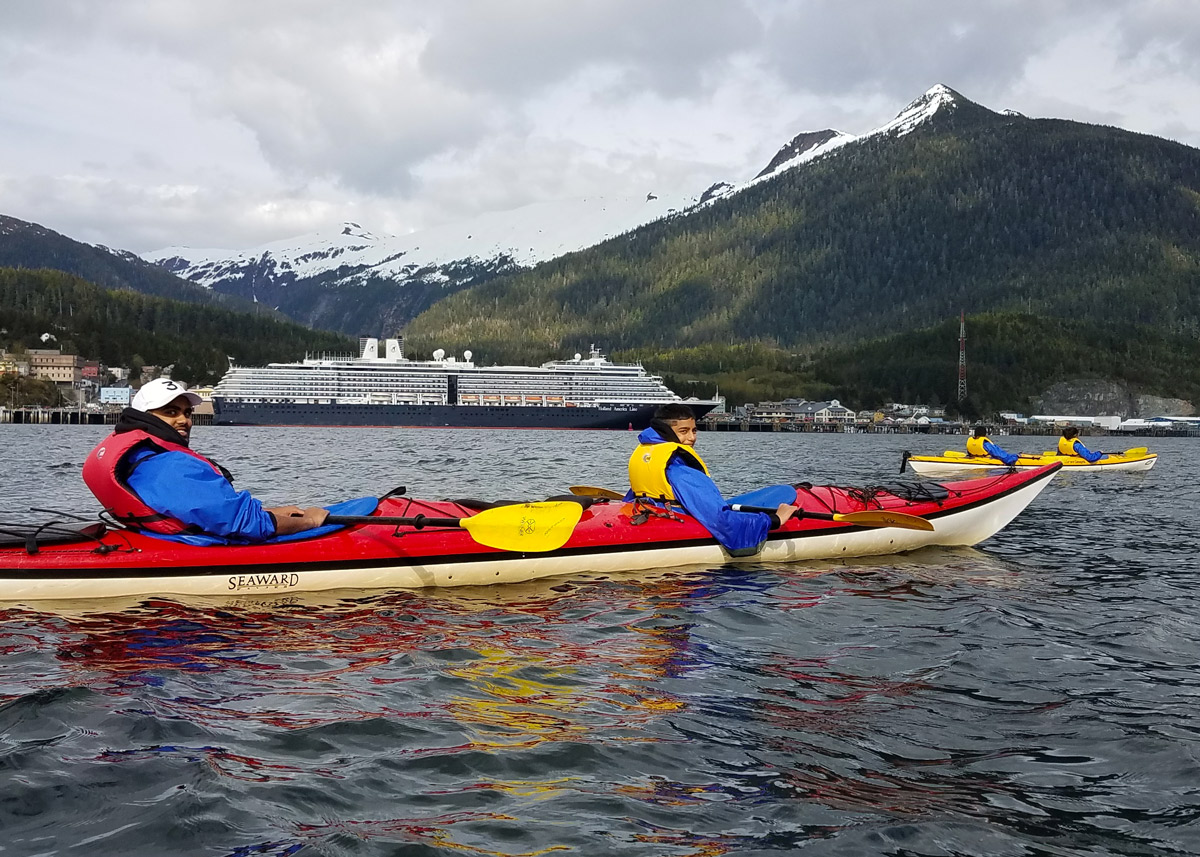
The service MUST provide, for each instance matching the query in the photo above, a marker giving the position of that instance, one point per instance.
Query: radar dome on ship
(439, 354)
(467, 356)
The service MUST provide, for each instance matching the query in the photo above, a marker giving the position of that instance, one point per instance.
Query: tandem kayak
(953, 461)
(74, 561)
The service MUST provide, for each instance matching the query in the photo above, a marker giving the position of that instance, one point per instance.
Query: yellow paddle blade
(593, 491)
(883, 519)
(524, 527)
(954, 453)
(1136, 452)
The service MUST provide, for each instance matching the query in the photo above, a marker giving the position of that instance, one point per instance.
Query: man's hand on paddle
(293, 519)
(785, 512)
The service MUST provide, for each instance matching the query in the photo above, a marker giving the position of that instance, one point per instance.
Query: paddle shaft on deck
(870, 518)
(418, 521)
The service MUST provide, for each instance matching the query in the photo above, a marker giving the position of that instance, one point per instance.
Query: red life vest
(118, 499)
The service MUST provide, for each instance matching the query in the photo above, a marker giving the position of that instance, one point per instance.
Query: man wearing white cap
(147, 477)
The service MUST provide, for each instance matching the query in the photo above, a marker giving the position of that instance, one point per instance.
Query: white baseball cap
(162, 391)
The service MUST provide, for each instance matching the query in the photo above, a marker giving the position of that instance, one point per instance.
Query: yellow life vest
(1067, 447)
(975, 445)
(648, 468)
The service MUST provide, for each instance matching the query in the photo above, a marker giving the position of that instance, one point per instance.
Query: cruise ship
(387, 389)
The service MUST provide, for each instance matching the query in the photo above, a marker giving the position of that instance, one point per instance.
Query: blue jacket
(738, 532)
(178, 485)
(1084, 452)
(996, 452)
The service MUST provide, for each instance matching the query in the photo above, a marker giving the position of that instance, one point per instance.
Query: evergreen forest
(30, 245)
(124, 328)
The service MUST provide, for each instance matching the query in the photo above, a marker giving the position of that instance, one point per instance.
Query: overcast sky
(228, 123)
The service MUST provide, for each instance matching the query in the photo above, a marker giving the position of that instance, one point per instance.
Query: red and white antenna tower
(962, 355)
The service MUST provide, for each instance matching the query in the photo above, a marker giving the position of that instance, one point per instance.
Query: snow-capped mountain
(500, 239)
(303, 276)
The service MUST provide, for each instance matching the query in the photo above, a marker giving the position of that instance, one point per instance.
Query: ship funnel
(395, 349)
(370, 348)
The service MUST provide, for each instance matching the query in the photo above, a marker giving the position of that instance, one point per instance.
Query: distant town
(901, 418)
(83, 386)
(90, 392)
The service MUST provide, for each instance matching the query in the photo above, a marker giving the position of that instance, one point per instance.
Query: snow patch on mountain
(524, 237)
(939, 97)
(809, 146)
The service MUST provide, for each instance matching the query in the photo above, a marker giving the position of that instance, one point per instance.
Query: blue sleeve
(741, 532)
(176, 484)
(1084, 452)
(996, 452)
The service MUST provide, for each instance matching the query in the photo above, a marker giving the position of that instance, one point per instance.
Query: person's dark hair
(1070, 432)
(980, 431)
(674, 411)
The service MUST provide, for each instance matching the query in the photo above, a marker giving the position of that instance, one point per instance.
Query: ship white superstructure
(455, 391)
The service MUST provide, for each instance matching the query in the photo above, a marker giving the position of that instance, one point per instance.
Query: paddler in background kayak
(146, 476)
(980, 445)
(666, 468)
(1070, 444)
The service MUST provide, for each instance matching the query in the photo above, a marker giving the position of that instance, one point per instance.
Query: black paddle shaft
(419, 521)
(799, 513)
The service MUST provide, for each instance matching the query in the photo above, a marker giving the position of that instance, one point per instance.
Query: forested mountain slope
(964, 209)
(31, 245)
(123, 328)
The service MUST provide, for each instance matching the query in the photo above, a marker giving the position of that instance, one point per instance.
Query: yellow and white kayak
(1136, 459)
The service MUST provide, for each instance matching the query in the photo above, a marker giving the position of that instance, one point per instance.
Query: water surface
(1036, 695)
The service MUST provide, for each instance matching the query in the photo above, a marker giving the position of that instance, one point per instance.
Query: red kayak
(407, 543)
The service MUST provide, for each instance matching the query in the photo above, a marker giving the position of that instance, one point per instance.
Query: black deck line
(404, 562)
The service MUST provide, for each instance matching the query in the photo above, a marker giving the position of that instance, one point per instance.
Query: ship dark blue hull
(439, 416)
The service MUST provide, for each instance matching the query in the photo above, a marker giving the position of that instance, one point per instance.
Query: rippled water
(1037, 695)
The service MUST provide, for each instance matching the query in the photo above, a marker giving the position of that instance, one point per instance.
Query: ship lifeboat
(533, 400)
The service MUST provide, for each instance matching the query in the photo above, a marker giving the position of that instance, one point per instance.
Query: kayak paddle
(524, 527)
(593, 491)
(1136, 452)
(878, 518)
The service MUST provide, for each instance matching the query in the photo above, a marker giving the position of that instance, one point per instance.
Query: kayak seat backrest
(39, 535)
(585, 502)
(483, 505)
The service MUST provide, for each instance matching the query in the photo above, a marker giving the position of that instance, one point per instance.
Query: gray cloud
(142, 123)
(519, 48)
(902, 48)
